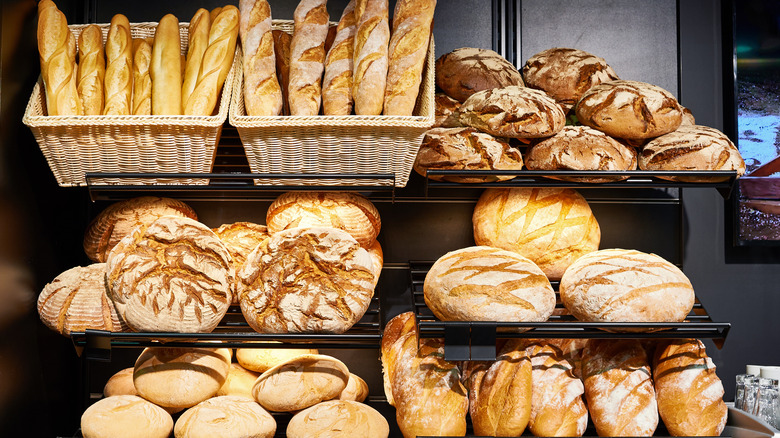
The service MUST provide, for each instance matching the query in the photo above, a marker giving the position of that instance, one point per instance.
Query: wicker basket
(76, 145)
(334, 144)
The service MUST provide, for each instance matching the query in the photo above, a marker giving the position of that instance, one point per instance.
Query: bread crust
(92, 70)
(337, 82)
(198, 41)
(468, 70)
(262, 93)
(119, 68)
(369, 77)
(307, 57)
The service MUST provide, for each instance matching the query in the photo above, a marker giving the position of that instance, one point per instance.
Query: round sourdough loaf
(581, 148)
(346, 211)
(483, 283)
(338, 418)
(445, 106)
(300, 383)
(239, 382)
(306, 280)
(225, 416)
(241, 238)
(356, 389)
(119, 219)
(120, 383)
(465, 149)
(552, 227)
(261, 360)
(468, 70)
(565, 74)
(125, 416)
(180, 377)
(629, 109)
(174, 275)
(618, 285)
(76, 300)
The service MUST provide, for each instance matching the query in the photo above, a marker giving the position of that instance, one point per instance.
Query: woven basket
(76, 145)
(333, 144)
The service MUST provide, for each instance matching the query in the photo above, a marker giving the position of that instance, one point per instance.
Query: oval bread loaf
(338, 418)
(225, 416)
(445, 106)
(241, 238)
(120, 383)
(468, 70)
(239, 382)
(125, 416)
(356, 389)
(261, 360)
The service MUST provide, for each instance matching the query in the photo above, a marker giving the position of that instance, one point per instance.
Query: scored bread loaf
(239, 382)
(307, 57)
(262, 359)
(369, 75)
(262, 93)
(468, 70)
(125, 416)
(377, 259)
(445, 106)
(92, 70)
(241, 238)
(337, 82)
(225, 416)
(356, 389)
(165, 68)
(282, 42)
(214, 13)
(338, 418)
(198, 41)
(56, 47)
(142, 80)
(118, 84)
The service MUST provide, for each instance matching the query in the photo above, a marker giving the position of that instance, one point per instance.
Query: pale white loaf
(125, 416)
(261, 360)
(239, 382)
(225, 416)
(338, 418)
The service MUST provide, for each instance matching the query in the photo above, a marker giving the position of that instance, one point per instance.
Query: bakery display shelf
(476, 340)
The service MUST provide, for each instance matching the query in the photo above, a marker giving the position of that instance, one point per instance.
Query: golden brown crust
(337, 82)
(92, 70)
(142, 80)
(226, 416)
(307, 57)
(198, 41)
(369, 75)
(262, 93)
(114, 416)
(338, 418)
(468, 70)
(356, 389)
(119, 68)
(57, 50)
(445, 106)
(282, 42)
(241, 238)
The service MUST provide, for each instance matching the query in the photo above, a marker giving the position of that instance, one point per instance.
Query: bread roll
(92, 70)
(468, 70)
(142, 79)
(58, 68)
(552, 227)
(174, 275)
(76, 300)
(198, 41)
(338, 418)
(262, 359)
(262, 93)
(282, 41)
(618, 388)
(239, 382)
(125, 416)
(369, 75)
(337, 82)
(356, 389)
(225, 416)
(165, 68)
(617, 285)
(445, 106)
(307, 57)
(241, 238)
(412, 22)
(118, 84)
(120, 383)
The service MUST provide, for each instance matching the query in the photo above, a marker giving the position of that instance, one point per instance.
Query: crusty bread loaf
(174, 275)
(337, 82)
(125, 416)
(262, 93)
(56, 47)
(262, 359)
(142, 79)
(225, 416)
(400, 326)
(572, 352)
(617, 285)
(377, 259)
(198, 41)
(629, 109)
(306, 280)
(689, 393)
(165, 68)
(356, 389)
(241, 238)
(282, 41)
(412, 22)
(468, 70)
(214, 13)
(118, 84)
(92, 70)
(552, 227)
(307, 57)
(369, 75)
(618, 388)
(76, 300)
(482, 283)
(239, 382)
(687, 117)
(342, 418)
(121, 383)
(445, 106)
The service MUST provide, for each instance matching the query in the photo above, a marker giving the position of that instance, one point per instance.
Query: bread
(617, 285)
(553, 227)
(360, 7)
(565, 74)
(118, 84)
(198, 41)
(241, 238)
(301, 382)
(76, 300)
(369, 75)
(472, 373)
(225, 416)
(121, 383)
(687, 116)
(56, 47)
(347, 211)
(481, 283)
(692, 147)
(119, 219)
(214, 13)
(377, 260)
(515, 112)
(465, 149)
(689, 393)
(92, 70)
(445, 106)
(629, 109)
(180, 377)
(572, 352)
(412, 23)
(340, 418)
(125, 416)
(217, 60)
(174, 275)
(282, 41)
(306, 280)
(356, 389)
(307, 57)
(239, 382)
(468, 70)
(262, 93)
(428, 396)
(337, 82)
(142, 80)
(262, 359)
(618, 388)
(581, 148)
(165, 68)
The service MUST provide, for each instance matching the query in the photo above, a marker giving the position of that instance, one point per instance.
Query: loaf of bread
(165, 68)
(76, 300)
(282, 41)
(214, 13)
(307, 57)
(121, 383)
(412, 22)
(687, 117)
(571, 349)
(56, 47)
(225, 416)
(337, 82)
(142, 80)
(356, 389)
(468, 70)
(262, 93)
(198, 41)
(118, 84)
(239, 382)
(445, 106)
(369, 76)
(617, 285)
(262, 359)
(552, 227)
(619, 388)
(92, 70)
(340, 418)
(241, 238)
(125, 416)
(174, 275)
(377, 259)
(306, 280)
(689, 393)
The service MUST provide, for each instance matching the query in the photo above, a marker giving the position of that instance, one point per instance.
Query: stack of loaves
(135, 76)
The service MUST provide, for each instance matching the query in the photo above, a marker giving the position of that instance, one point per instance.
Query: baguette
(216, 64)
(198, 41)
(214, 13)
(360, 7)
(369, 75)
(282, 41)
(262, 93)
(142, 81)
(92, 70)
(118, 84)
(412, 22)
(337, 82)
(165, 68)
(307, 57)
(56, 47)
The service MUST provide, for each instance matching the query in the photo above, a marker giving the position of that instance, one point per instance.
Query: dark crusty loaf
(467, 70)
